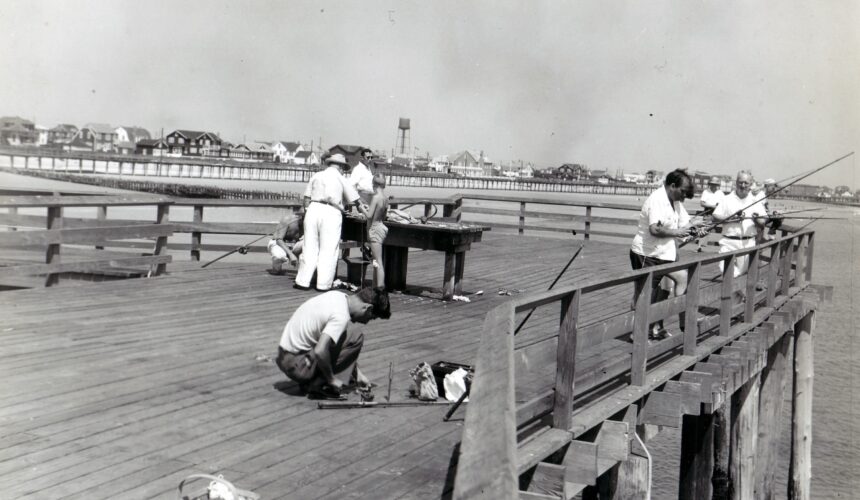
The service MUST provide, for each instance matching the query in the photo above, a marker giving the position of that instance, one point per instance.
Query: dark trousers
(302, 367)
(657, 293)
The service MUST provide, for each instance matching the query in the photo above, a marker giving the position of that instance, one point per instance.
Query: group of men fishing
(663, 221)
(317, 348)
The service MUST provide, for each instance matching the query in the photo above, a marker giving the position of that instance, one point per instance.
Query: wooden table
(453, 238)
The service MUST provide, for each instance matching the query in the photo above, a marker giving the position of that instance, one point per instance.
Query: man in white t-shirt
(361, 176)
(663, 219)
(324, 200)
(747, 216)
(316, 349)
(712, 196)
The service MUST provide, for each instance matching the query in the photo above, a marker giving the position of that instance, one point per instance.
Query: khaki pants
(302, 367)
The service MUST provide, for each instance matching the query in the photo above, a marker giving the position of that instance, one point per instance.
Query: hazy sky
(772, 86)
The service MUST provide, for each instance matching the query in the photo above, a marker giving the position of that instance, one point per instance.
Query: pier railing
(513, 423)
(94, 234)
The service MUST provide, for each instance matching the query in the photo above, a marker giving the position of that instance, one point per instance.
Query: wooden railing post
(196, 236)
(641, 312)
(101, 216)
(691, 325)
(161, 242)
(587, 222)
(727, 295)
(752, 282)
(428, 209)
(773, 273)
(52, 254)
(787, 258)
(809, 247)
(13, 211)
(565, 364)
(453, 209)
(522, 222)
(800, 261)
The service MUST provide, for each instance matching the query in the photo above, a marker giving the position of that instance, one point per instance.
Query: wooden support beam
(690, 393)
(720, 479)
(800, 468)
(773, 273)
(706, 381)
(629, 479)
(691, 327)
(101, 216)
(162, 217)
(548, 481)
(580, 463)
(787, 259)
(661, 408)
(613, 441)
(773, 381)
(197, 236)
(752, 282)
(727, 295)
(640, 329)
(744, 439)
(697, 457)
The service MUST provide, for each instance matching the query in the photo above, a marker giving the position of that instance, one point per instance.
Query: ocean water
(836, 426)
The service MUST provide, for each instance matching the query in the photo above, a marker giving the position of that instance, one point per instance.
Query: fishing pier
(127, 367)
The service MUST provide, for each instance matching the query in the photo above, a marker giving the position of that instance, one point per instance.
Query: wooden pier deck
(123, 388)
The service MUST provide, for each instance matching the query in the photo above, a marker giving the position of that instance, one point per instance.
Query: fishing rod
(732, 217)
(516, 331)
(242, 250)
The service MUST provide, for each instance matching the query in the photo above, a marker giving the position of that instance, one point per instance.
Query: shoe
(300, 287)
(658, 333)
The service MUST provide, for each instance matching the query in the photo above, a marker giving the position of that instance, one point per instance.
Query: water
(836, 430)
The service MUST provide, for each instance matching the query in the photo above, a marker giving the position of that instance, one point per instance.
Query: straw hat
(336, 158)
(715, 180)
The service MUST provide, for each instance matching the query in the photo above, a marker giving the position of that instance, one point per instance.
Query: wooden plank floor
(125, 387)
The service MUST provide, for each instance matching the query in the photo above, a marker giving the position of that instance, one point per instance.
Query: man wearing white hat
(712, 196)
(324, 200)
(745, 215)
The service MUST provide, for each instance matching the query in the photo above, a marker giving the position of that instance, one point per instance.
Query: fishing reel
(243, 250)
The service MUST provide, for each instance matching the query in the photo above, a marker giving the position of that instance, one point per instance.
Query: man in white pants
(740, 233)
(324, 206)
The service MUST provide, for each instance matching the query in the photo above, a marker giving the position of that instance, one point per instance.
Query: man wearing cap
(317, 350)
(324, 200)
(712, 196)
(361, 176)
(746, 214)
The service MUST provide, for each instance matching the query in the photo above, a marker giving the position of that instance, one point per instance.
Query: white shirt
(658, 209)
(362, 180)
(327, 313)
(329, 186)
(730, 205)
(712, 199)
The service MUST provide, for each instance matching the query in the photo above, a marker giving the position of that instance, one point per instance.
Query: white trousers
(321, 247)
(730, 245)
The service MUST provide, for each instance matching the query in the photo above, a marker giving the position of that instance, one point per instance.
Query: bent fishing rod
(733, 217)
(519, 327)
(241, 249)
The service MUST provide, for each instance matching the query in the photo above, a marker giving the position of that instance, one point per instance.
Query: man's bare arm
(321, 352)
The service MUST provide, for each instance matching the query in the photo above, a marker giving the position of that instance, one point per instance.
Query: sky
(719, 86)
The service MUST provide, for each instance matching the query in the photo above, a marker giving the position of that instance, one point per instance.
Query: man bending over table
(316, 350)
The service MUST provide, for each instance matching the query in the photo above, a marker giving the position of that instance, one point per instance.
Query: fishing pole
(242, 249)
(516, 331)
(732, 217)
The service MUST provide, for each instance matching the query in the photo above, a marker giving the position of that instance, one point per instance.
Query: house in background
(571, 172)
(193, 143)
(306, 158)
(241, 152)
(263, 152)
(41, 135)
(285, 151)
(100, 136)
(349, 151)
(654, 177)
(132, 134)
(151, 147)
(63, 132)
(471, 164)
(600, 176)
(17, 131)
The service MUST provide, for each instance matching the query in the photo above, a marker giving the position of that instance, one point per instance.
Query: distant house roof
(9, 121)
(239, 147)
(125, 145)
(195, 134)
(137, 132)
(346, 148)
(304, 154)
(65, 127)
(289, 145)
(152, 143)
(100, 128)
(264, 148)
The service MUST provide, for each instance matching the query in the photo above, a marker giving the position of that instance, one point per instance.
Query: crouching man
(317, 351)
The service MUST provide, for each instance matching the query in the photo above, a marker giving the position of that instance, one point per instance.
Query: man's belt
(324, 202)
(739, 237)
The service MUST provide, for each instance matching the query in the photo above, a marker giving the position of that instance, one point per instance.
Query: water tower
(403, 146)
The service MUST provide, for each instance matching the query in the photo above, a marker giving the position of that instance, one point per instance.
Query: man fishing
(712, 196)
(663, 219)
(743, 216)
(316, 349)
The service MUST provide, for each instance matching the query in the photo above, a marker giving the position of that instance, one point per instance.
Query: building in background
(100, 136)
(306, 158)
(151, 147)
(17, 131)
(471, 164)
(62, 133)
(571, 172)
(285, 151)
(193, 143)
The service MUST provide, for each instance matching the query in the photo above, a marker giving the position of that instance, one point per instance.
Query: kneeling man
(316, 350)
